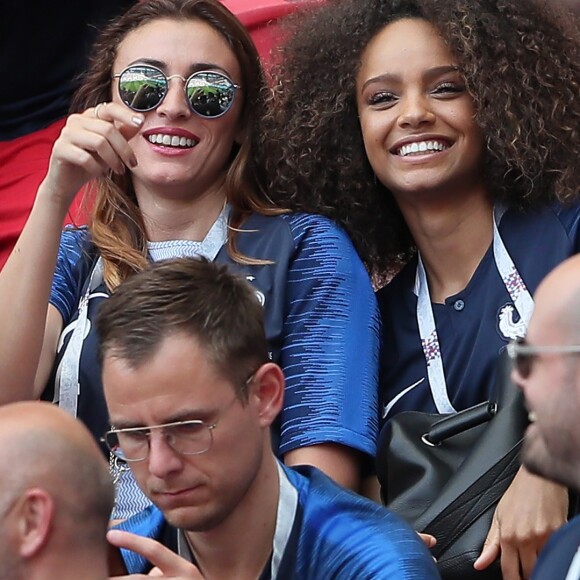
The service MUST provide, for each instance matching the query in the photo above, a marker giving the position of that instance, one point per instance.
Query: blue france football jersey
(474, 325)
(321, 321)
(336, 534)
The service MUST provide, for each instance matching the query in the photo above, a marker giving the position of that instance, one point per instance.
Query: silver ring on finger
(97, 109)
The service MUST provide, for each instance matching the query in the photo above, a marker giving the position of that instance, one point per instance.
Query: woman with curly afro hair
(444, 136)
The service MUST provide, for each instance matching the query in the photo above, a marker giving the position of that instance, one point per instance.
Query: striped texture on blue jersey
(330, 345)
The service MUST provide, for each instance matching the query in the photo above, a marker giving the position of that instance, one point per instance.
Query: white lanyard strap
(68, 372)
(574, 570)
(287, 508)
(430, 343)
(515, 287)
(285, 516)
(512, 280)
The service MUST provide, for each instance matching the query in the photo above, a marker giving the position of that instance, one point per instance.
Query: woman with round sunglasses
(444, 135)
(167, 118)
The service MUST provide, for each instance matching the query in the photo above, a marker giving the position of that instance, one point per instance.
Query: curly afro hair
(522, 68)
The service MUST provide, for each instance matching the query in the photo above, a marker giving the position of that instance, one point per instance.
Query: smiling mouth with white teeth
(420, 147)
(171, 141)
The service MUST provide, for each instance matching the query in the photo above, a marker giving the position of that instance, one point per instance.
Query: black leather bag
(445, 474)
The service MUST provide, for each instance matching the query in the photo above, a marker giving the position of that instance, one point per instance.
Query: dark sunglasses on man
(524, 354)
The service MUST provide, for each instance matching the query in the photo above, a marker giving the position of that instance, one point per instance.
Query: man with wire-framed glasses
(192, 394)
(547, 369)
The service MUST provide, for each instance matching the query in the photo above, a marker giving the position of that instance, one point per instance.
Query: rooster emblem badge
(508, 327)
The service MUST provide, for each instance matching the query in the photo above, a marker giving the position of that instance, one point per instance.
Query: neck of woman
(452, 239)
(180, 217)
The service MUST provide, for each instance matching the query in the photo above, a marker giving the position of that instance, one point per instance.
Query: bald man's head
(551, 379)
(49, 457)
(558, 300)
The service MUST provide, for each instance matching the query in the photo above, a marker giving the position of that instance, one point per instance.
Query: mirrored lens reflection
(142, 88)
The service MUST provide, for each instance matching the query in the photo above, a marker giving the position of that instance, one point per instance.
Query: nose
(175, 104)
(163, 459)
(415, 110)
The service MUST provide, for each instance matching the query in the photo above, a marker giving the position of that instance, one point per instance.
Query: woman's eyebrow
(440, 70)
(195, 67)
(427, 74)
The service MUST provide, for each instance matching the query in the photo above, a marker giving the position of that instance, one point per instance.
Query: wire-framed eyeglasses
(523, 354)
(191, 437)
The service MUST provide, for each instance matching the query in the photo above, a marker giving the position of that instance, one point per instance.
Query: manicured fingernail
(133, 161)
(137, 121)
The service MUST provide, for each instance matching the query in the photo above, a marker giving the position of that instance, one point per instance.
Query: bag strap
(485, 492)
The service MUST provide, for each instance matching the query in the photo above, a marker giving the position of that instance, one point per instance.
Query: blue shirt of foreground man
(191, 395)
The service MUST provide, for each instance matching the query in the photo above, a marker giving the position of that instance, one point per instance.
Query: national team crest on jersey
(510, 328)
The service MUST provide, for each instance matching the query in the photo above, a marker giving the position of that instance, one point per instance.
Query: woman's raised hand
(90, 145)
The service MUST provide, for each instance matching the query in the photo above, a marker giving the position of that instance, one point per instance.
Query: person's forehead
(178, 381)
(179, 44)
(413, 38)
(552, 307)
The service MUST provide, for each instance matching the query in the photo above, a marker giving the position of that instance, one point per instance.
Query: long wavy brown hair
(522, 68)
(116, 224)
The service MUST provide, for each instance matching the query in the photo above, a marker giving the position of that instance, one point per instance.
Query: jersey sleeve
(371, 547)
(70, 273)
(344, 536)
(569, 217)
(330, 342)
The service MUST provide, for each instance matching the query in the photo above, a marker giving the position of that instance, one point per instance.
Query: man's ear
(34, 514)
(267, 388)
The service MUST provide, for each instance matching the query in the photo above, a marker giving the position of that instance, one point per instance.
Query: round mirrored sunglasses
(142, 88)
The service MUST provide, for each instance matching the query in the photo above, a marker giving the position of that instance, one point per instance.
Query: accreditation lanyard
(515, 287)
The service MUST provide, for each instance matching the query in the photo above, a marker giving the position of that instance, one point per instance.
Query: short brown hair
(189, 296)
